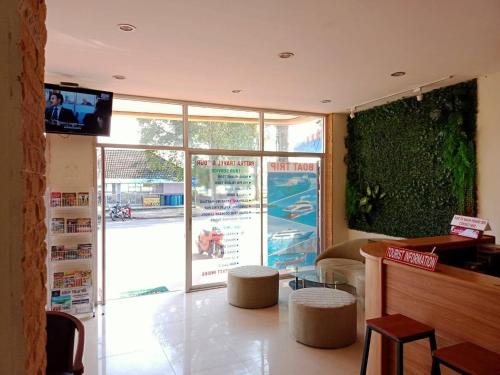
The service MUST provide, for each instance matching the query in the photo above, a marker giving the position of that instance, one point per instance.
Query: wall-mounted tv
(75, 110)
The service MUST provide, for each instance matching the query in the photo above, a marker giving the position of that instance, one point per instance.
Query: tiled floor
(200, 333)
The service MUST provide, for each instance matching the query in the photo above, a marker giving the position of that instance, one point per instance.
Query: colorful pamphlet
(57, 225)
(83, 199)
(71, 225)
(55, 199)
(84, 250)
(84, 224)
(68, 199)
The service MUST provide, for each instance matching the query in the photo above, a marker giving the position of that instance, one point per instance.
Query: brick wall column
(22, 216)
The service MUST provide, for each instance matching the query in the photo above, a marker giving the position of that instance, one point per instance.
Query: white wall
(488, 151)
(70, 161)
(488, 159)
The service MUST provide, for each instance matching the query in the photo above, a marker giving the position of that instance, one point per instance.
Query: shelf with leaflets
(71, 260)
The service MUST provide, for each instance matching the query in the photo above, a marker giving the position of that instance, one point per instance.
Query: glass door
(225, 216)
(144, 221)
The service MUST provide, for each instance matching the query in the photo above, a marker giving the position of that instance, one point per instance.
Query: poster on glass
(292, 214)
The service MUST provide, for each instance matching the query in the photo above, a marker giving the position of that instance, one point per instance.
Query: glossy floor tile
(200, 333)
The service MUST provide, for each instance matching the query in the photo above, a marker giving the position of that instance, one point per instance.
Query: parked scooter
(120, 212)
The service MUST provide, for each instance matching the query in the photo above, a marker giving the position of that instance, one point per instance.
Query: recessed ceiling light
(398, 74)
(119, 76)
(236, 91)
(324, 101)
(72, 84)
(126, 27)
(286, 55)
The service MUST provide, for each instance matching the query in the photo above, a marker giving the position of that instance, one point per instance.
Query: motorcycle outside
(120, 212)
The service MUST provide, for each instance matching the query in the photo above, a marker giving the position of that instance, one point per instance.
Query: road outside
(143, 254)
(148, 251)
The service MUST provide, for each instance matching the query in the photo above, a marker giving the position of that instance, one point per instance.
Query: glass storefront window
(214, 128)
(257, 204)
(293, 133)
(145, 123)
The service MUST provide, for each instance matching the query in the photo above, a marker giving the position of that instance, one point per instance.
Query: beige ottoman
(322, 317)
(252, 287)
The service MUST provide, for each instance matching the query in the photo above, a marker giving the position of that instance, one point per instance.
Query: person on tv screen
(56, 113)
(98, 121)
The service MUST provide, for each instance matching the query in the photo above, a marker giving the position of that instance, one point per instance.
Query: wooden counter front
(460, 304)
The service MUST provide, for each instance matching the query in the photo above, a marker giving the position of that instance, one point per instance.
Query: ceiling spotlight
(236, 91)
(119, 77)
(325, 101)
(351, 115)
(418, 91)
(398, 74)
(126, 27)
(286, 55)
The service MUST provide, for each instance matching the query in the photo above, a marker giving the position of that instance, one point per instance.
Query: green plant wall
(419, 157)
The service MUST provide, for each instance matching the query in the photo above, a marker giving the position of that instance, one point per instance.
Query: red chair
(61, 356)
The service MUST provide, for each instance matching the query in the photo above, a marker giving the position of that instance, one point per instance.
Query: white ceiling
(200, 50)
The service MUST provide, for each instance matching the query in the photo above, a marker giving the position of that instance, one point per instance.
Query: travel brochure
(73, 225)
(58, 199)
(57, 225)
(79, 225)
(72, 279)
(76, 300)
(82, 251)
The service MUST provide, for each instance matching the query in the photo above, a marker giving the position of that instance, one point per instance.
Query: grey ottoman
(252, 287)
(322, 317)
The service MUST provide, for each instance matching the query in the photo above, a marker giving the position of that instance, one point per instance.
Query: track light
(418, 91)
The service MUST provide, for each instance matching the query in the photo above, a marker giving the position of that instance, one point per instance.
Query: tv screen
(75, 110)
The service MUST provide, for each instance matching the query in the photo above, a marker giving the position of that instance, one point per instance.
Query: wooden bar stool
(467, 359)
(400, 329)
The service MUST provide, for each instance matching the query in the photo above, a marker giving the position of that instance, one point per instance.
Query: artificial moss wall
(411, 165)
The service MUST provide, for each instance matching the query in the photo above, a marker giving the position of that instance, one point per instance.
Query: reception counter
(462, 305)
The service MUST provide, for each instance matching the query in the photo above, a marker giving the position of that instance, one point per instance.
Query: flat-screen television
(75, 110)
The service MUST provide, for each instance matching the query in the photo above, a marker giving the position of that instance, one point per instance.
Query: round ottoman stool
(322, 317)
(252, 287)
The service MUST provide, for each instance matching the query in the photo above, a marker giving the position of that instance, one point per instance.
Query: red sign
(426, 261)
(465, 232)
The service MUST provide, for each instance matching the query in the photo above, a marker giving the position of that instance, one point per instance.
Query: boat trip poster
(292, 191)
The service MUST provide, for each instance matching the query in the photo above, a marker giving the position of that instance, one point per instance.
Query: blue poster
(292, 191)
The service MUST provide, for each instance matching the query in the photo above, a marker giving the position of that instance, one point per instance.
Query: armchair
(346, 259)
(61, 329)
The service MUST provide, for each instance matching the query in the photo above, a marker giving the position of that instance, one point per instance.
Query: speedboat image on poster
(291, 234)
(301, 207)
(292, 191)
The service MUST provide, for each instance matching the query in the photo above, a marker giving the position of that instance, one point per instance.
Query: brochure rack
(71, 260)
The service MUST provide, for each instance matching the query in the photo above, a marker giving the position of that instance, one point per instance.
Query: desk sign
(425, 261)
(470, 222)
